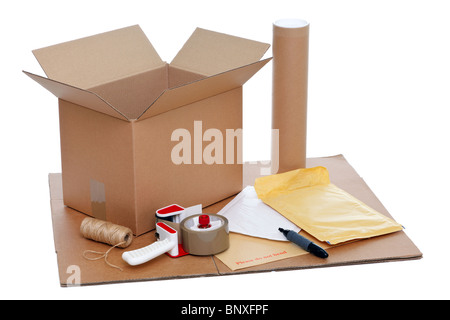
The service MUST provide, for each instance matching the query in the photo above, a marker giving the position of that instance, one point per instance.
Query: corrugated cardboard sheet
(70, 244)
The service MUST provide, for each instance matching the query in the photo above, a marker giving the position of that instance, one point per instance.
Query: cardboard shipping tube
(289, 94)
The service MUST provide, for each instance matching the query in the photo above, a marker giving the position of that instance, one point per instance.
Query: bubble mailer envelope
(307, 198)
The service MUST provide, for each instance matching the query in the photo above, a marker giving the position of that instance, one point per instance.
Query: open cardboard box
(119, 105)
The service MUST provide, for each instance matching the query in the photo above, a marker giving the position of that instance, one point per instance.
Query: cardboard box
(119, 106)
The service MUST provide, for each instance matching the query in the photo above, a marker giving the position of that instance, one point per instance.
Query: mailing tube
(289, 94)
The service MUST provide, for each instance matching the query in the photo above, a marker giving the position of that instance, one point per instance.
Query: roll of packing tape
(202, 236)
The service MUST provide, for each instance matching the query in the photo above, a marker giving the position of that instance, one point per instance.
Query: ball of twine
(105, 232)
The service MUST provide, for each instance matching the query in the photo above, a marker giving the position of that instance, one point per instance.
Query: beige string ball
(105, 232)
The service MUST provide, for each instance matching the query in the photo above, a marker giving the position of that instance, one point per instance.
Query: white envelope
(248, 215)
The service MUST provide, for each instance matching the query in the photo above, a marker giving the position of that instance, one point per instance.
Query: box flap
(77, 96)
(209, 53)
(94, 60)
(201, 89)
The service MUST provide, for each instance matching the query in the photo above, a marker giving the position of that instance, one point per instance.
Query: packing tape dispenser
(201, 234)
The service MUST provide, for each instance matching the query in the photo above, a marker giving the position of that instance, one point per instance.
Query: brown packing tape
(290, 86)
(205, 242)
(98, 199)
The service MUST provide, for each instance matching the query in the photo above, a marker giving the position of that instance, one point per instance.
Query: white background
(379, 93)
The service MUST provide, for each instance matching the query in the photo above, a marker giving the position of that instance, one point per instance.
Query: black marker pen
(304, 243)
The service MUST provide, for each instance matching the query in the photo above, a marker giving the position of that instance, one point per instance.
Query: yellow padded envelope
(307, 198)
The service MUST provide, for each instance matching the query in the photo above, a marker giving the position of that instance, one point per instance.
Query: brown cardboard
(87, 62)
(119, 103)
(200, 53)
(289, 98)
(70, 244)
